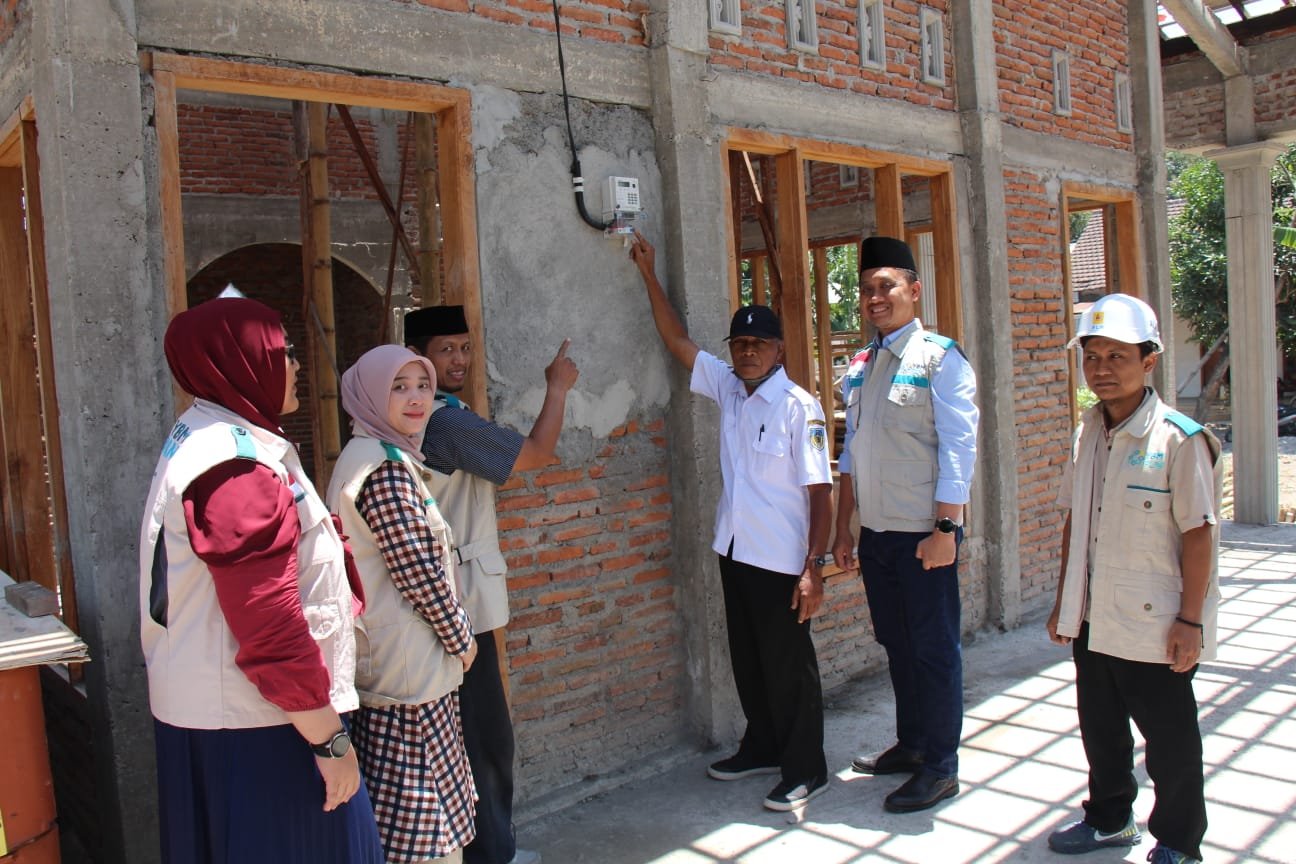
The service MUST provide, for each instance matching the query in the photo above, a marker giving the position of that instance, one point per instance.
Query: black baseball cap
(759, 321)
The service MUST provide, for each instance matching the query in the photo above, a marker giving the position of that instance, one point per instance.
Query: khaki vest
(1137, 583)
(399, 657)
(893, 453)
(468, 504)
(188, 648)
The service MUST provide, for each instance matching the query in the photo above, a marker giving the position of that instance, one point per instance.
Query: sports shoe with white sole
(1080, 837)
(737, 767)
(789, 796)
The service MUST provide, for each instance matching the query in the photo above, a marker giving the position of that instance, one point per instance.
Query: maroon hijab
(231, 351)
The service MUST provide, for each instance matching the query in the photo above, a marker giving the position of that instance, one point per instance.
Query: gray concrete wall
(15, 65)
(397, 39)
(107, 315)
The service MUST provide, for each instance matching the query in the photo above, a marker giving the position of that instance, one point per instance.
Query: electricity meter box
(621, 208)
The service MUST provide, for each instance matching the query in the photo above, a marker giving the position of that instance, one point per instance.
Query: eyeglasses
(291, 351)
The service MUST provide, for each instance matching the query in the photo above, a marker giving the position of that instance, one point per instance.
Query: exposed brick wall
(619, 21)
(1095, 35)
(762, 49)
(595, 644)
(246, 151)
(1040, 367)
(272, 273)
(1275, 96)
(1195, 118)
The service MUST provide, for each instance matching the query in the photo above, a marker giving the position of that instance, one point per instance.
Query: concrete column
(1148, 115)
(107, 314)
(1253, 349)
(991, 353)
(694, 247)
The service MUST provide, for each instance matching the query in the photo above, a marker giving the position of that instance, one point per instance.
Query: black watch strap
(335, 747)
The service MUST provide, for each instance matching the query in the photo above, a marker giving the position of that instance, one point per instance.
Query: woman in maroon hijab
(247, 615)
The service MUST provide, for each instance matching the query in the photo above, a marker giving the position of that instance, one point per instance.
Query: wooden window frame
(1124, 268)
(171, 73)
(791, 225)
(36, 544)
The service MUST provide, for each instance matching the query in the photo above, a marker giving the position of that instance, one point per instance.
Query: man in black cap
(470, 456)
(907, 462)
(771, 532)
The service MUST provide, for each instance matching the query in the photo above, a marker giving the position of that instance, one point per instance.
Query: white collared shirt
(772, 446)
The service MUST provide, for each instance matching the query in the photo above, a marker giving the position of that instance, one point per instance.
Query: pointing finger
(562, 351)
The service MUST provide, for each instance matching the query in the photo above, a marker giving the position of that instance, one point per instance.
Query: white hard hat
(1120, 317)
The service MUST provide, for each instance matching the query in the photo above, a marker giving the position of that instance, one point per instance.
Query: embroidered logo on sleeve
(818, 434)
(179, 433)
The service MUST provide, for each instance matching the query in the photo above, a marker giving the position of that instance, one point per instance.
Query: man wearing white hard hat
(1139, 589)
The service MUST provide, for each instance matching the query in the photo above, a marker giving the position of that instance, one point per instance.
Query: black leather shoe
(921, 791)
(896, 760)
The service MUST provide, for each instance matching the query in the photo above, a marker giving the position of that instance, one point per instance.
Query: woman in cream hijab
(414, 641)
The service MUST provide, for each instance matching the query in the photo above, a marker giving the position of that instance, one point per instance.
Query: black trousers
(488, 737)
(775, 671)
(1109, 693)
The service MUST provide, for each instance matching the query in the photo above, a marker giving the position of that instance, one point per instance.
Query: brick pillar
(1248, 228)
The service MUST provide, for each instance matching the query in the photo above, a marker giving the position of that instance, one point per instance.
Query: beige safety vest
(468, 504)
(399, 657)
(1137, 583)
(188, 647)
(893, 453)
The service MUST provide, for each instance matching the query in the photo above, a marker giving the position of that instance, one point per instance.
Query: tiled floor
(1022, 766)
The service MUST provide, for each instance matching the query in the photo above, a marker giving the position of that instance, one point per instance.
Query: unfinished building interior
(347, 160)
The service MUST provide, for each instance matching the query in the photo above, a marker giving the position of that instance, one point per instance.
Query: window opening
(872, 33)
(933, 46)
(1124, 104)
(848, 176)
(803, 33)
(1061, 83)
(726, 17)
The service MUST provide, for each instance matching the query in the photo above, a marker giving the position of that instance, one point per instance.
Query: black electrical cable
(578, 182)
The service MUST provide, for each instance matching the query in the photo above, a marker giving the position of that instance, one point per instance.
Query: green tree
(843, 277)
(1198, 261)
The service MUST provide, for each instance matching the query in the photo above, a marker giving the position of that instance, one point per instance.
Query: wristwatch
(334, 748)
(821, 560)
(946, 525)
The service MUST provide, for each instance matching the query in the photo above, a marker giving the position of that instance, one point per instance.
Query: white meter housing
(621, 208)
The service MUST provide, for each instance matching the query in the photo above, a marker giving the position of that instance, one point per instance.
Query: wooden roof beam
(1210, 35)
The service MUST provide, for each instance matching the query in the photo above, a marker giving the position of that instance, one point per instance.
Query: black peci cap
(422, 324)
(885, 252)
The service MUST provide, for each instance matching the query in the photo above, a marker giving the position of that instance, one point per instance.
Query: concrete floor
(1022, 765)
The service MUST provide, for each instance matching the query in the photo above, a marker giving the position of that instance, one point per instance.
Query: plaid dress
(413, 756)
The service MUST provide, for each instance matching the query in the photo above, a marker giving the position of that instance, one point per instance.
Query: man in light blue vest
(907, 463)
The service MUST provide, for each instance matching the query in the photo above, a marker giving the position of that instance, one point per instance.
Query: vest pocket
(907, 408)
(908, 490)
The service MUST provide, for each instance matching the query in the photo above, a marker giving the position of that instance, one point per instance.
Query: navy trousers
(1110, 692)
(488, 737)
(916, 615)
(775, 671)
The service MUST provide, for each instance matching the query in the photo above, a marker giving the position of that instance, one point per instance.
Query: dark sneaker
(789, 796)
(1080, 837)
(737, 767)
(1165, 855)
(893, 760)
